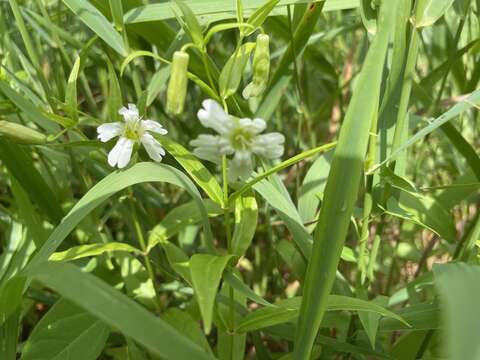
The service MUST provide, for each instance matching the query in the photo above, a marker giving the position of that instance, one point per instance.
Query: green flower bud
(21, 134)
(177, 86)
(261, 68)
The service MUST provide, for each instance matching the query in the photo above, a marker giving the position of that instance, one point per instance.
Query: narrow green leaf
(313, 186)
(300, 39)
(178, 219)
(66, 331)
(429, 11)
(114, 101)
(232, 72)
(342, 186)
(239, 11)
(192, 24)
(425, 211)
(234, 281)
(11, 296)
(472, 101)
(222, 10)
(369, 16)
(287, 310)
(9, 331)
(119, 180)
(117, 310)
(195, 169)
(422, 316)
(116, 9)
(186, 326)
(206, 271)
(283, 165)
(292, 257)
(178, 260)
(135, 54)
(98, 23)
(246, 216)
(223, 27)
(459, 293)
(230, 345)
(288, 213)
(82, 251)
(28, 108)
(371, 320)
(259, 16)
(71, 91)
(21, 166)
(157, 83)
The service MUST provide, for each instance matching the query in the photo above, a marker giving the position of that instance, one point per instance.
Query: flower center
(241, 139)
(133, 130)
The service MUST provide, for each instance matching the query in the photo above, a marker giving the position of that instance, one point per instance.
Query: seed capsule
(21, 134)
(177, 86)
(261, 68)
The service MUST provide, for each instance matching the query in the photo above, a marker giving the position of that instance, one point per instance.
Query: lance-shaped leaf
(98, 23)
(259, 16)
(246, 216)
(66, 332)
(71, 92)
(342, 187)
(206, 272)
(117, 310)
(139, 173)
(429, 11)
(232, 72)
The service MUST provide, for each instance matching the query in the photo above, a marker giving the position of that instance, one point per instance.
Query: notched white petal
(108, 131)
(213, 116)
(153, 147)
(269, 146)
(207, 147)
(255, 126)
(153, 126)
(241, 166)
(121, 153)
(130, 113)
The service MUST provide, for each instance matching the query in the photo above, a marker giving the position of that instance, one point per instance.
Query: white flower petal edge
(213, 116)
(129, 114)
(131, 130)
(269, 146)
(153, 147)
(108, 131)
(241, 166)
(121, 153)
(238, 137)
(153, 126)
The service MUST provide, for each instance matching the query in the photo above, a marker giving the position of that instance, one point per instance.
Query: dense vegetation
(239, 179)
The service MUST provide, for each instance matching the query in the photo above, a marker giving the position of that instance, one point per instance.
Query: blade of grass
(117, 310)
(342, 187)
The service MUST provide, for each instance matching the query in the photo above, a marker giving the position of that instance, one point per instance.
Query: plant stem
(143, 246)
(207, 70)
(228, 235)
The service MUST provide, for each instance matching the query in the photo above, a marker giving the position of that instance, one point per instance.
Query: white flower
(238, 137)
(132, 130)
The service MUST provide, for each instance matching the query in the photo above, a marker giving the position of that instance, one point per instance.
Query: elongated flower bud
(21, 134)
(261, 68)
(177, 86)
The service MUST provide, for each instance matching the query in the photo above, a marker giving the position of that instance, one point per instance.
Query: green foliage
(66, 331)
(354, 234)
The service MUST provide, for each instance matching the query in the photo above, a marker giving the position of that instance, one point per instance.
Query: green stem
(31, 51)
(228, 235)
(143, 246)
(207, 70)
(283, 165)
